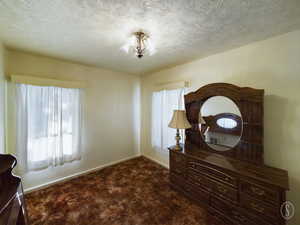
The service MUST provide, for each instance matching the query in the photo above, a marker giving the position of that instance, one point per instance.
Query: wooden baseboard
(157, 161)
(64, 179)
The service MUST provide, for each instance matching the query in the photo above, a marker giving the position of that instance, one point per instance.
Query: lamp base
(177, 147)
(177, 138)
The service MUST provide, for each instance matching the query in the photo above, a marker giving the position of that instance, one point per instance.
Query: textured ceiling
(92, 31)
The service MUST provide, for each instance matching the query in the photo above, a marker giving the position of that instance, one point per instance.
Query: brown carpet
(135, 192)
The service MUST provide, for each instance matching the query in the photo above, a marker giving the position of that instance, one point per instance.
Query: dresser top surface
(264, 173)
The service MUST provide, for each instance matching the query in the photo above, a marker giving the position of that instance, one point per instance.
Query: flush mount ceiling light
(139, 44)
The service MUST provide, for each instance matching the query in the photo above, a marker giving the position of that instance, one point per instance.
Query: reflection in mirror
(226, 123)
(220, 123)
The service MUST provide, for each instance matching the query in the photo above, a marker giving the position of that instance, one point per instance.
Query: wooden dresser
(12, 204)
(236, 186)
(235, 192)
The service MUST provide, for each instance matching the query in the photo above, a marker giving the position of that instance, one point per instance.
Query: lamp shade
(179, 120)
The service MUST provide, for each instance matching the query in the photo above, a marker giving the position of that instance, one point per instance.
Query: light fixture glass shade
(149, 46)
(139, 44)
(179, 120)
(129, 46)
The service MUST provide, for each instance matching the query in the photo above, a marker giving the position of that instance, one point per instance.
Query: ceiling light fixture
(139, 44)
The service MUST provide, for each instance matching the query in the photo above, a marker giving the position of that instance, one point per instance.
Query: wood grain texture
(250, 103)
(235, 192)
(235, 185)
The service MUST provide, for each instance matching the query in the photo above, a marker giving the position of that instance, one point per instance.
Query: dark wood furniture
(235, 185)
(12, 204)
(250, 103)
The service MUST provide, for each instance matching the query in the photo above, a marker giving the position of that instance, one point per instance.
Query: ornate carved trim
(231, 91)
(250, 104)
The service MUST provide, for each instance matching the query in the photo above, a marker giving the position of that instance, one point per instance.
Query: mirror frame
(250, 103)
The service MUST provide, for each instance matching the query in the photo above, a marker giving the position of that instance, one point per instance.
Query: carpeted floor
(135, 192)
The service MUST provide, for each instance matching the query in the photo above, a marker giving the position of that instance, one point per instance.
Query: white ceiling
(92, 31)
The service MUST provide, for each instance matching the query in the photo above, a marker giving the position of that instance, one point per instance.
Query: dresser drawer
(177, 163)
(235, 213)
(197, 193)
(219, 204)
(216, 218)
(260, 192)
(259, 207)
(212, 172)
(225, 191)
(199, 179)
(218, 188)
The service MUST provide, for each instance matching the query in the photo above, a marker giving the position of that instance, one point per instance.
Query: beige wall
(112, 103)
(2, 99)
(112, 117)
(273, 65)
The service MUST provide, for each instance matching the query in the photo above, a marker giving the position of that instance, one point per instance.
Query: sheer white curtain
(48, 126)
(163, 104)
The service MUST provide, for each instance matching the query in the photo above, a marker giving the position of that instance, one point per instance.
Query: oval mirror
(220, 123)
(226, 123)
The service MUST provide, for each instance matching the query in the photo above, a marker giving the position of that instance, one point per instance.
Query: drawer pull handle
(222, 190)
(257, 208)
(257, 191)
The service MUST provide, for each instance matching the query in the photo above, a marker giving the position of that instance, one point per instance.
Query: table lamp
(179, 121)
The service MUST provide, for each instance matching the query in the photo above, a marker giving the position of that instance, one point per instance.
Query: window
(48, 125)
(163, 104)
